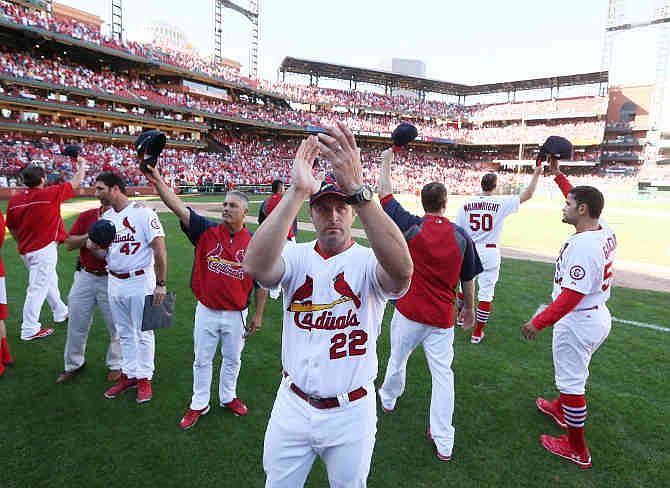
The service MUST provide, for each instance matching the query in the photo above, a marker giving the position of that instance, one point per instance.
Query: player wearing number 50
(138, 247)
(223, 292)
(483, 217)
(580, 319)
(334, 297)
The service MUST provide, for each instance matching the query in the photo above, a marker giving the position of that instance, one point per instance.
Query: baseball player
(138, 247)
(223, 291)
(334, 297)
(88, 290)
(34, 220)
(578, 313)
(442, 254)
(5, 357)
(483, 217)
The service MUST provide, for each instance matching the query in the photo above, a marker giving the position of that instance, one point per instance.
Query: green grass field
(70, 435)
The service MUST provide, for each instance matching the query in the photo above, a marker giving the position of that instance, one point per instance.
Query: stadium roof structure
(388, 79)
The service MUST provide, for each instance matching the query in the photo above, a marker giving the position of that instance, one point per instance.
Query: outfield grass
(70, 435)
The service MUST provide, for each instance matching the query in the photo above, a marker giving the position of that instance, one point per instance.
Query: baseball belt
(95, 272)
(323, 403)
(125, 276)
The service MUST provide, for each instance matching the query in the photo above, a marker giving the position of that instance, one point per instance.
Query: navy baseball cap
(148, 146)
(404, 134)
(556, 146)
(71, 150)
(328, 187)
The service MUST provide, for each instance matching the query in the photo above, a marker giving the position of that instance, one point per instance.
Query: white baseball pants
(42, 284)
(88, 291)
(575, 338)
(438, 344)
(487, 279)
(126, 300)
(344, 437)
(212, 326)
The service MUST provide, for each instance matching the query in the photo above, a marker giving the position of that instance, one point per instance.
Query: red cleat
(440, 456)
(238, 408)
(561, 447)
(476, 339)
(192, 417)
(122, 385)
(553, 409)
(143, 390)
(40, 333)
(5, 356)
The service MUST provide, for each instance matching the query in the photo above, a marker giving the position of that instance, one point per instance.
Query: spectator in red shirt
(34, 220)
(88, 290)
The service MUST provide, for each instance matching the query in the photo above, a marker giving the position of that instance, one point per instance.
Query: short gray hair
(242, 196)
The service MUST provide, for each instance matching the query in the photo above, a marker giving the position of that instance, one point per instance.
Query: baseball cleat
(440, 456)
(381, 402)
(191, 417)
(561, 447)
(114, 375)
(459, 320)
(553, 409)
(40, 333)
(477, 339)
(66, 376)
(239, 409)
(122, 385)
(143, 390)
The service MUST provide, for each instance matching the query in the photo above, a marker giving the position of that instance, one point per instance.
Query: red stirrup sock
(483, 311)
(574, 411)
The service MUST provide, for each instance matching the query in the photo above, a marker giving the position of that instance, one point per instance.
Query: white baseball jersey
(136, 226)
(585, 265)
(333, 310)
(483, 217)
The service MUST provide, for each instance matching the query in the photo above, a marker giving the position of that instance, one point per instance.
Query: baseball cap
(328, 187)
(556, 146)
(148, 146)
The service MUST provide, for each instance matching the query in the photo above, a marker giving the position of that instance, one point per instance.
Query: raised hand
(340, 148)
(302, 174)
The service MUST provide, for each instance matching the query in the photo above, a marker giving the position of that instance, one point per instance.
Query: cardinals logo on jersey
(303, 307)
(126, 224)
(217, 264)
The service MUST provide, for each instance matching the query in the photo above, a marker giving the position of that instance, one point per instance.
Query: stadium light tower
(660, 19)
(117, 19)
(252, 14)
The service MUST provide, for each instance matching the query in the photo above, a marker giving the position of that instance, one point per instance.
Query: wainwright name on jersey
(483, 216)
(584, 264)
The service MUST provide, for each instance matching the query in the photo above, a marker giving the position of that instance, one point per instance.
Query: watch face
(366, 194)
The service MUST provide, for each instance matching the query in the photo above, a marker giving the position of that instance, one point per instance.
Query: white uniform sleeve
(460, 218)
(583, 269)
(154, 228)
(290, 255)
(510, 205)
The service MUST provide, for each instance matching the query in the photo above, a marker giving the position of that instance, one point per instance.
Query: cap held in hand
(71, 150)
(102, 232)
(403, 135)
(557, 147)
(149, 145)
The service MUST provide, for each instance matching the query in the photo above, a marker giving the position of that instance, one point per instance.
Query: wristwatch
(160, 282)
(362, 195)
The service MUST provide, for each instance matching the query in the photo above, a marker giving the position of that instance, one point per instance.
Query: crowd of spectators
(249, 160)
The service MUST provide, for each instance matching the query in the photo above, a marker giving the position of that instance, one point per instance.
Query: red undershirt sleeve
(559, 308)
(384, 200)
(563, 183)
